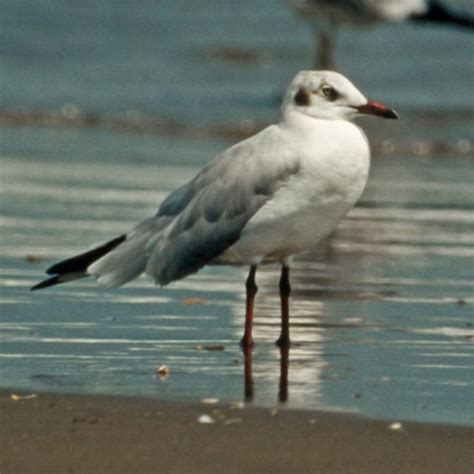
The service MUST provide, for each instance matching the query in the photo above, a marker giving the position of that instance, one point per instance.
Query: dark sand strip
(88, 434)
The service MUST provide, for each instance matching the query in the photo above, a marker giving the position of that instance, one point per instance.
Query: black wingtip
(76, 267)
(438, 12)
(79, 263)
(45, 283)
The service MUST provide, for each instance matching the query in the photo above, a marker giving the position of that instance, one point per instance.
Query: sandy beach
(95, 434)
(108, 107)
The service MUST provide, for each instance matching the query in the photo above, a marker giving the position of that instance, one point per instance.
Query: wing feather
(212, 209)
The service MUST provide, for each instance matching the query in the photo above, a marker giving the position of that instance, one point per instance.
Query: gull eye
(330, 93)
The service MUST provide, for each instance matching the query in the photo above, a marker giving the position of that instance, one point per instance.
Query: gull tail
(76, 267)
(112, 264)
(439, 13)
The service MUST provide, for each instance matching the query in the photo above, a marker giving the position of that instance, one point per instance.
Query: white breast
(332, 177)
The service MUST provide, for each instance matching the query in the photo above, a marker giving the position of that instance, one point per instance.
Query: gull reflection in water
(321, 283)
(266, 364)
(248, 374)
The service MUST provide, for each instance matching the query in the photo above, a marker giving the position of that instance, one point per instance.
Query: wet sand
(96, 434)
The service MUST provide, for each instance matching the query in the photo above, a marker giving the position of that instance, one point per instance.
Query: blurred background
(105, 107)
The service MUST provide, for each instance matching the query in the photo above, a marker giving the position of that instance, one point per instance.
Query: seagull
(326, 15)
(263, 200)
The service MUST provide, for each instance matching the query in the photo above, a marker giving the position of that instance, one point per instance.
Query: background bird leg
(324, 45)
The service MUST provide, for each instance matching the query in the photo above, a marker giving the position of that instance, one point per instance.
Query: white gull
(262, 200)
(326, 15)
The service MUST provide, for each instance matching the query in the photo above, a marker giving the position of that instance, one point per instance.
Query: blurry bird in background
(326, 16)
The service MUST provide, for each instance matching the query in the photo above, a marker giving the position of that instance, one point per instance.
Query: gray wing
(340, 10)
(362, 11)
(209, 213)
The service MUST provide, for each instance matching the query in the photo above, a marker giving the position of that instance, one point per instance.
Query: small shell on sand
(16, 397)
(395, 426)
(210, 401)
(205, 420)
(163, 371)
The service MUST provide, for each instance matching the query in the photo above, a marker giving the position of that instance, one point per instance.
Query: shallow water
(382, 313)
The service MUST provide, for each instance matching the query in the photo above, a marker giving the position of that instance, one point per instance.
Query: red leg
(285, 289)
(252, 289)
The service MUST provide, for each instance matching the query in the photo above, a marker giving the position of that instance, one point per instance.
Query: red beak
(376, 108)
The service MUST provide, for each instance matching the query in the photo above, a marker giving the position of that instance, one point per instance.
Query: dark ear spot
(302, 97)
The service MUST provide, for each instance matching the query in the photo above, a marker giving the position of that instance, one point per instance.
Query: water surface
(382, 313)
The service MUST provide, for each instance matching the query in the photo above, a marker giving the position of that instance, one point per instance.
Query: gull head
(331, 96)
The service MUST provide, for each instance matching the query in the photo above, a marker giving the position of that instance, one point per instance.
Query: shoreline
(71, 118)
(114, 434)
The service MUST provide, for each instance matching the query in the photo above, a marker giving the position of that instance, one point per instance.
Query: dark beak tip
(379, 110)
(393, 115)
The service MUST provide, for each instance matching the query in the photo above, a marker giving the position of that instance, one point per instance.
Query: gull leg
(285, 290)
(252, 289)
